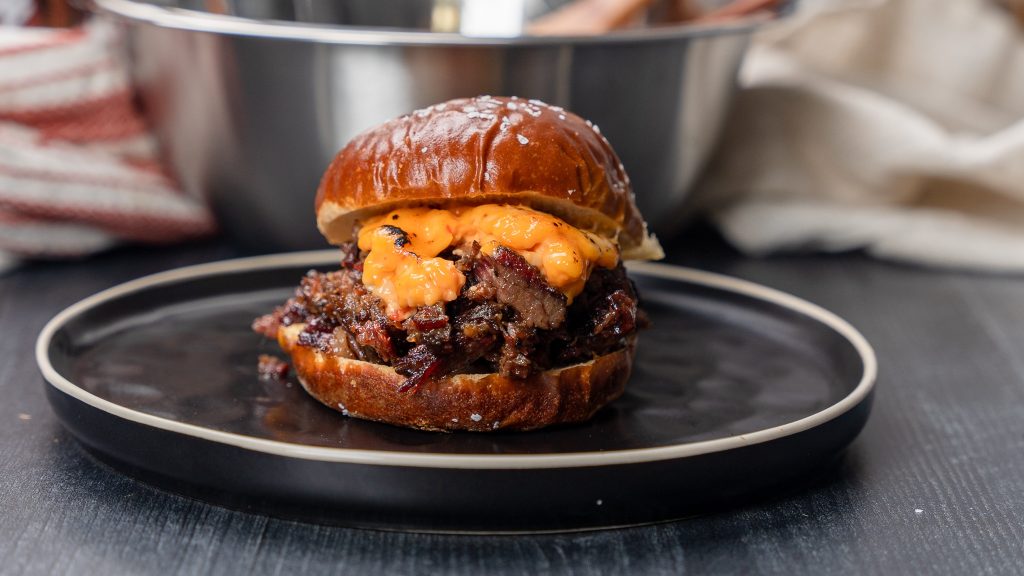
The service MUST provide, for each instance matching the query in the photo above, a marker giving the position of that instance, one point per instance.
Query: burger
(481, 284)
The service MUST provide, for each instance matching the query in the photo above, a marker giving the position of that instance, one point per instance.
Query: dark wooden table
(935, 484)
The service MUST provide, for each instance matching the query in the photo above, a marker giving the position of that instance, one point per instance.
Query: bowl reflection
(252, 102)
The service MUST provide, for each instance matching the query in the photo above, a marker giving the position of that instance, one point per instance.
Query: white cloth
(895, 126)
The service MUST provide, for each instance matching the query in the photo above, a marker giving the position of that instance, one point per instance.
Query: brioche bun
(472, 402)
(485, 150)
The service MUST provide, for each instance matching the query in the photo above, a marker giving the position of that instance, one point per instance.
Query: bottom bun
(475, 402)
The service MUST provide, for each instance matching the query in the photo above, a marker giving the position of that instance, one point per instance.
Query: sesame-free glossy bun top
(484, 150)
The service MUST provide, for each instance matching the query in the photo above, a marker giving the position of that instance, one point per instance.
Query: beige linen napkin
(896, 126)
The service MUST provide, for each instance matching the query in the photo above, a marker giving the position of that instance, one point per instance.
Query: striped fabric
(79, 170)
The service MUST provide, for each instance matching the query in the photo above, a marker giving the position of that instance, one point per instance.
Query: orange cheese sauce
(406, 275)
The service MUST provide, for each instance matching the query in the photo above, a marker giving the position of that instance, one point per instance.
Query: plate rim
(464, 461)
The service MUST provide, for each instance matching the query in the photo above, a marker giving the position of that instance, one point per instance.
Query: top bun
(484, 150)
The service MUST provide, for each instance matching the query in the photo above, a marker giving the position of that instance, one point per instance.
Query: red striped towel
(79, 170)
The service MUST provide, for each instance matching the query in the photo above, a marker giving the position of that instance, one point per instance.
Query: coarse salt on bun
(485, 150)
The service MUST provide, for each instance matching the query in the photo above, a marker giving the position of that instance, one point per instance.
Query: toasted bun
(485, 150)
(475, 402)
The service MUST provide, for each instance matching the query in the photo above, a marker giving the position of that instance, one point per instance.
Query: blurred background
(890, 126)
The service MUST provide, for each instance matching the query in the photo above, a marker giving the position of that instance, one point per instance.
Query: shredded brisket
(272, 368)
(507, 319)
(517, 284)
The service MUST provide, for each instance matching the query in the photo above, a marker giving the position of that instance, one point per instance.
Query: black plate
(737, 389)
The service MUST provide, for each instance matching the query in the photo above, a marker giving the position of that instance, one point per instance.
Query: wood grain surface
(934, 485)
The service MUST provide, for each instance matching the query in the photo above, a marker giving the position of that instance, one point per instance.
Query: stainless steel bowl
(251, 106)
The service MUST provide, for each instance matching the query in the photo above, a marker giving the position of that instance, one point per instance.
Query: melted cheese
(405, 272)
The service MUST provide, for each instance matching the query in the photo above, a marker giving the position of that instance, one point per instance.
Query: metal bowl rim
(196, 21)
